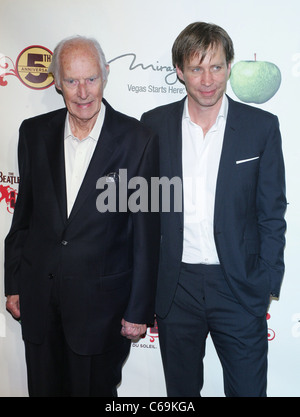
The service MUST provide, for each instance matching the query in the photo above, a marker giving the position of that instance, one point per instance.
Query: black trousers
(205, 304)
(54, 370)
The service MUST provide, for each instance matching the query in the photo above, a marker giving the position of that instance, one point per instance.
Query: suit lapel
(55, 150)
(228, 157)
(101, 158)
(175, 135)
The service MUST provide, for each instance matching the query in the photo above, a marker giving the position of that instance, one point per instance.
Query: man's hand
(133, 331)
(13, 305)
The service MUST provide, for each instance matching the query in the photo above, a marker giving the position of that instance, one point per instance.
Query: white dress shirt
(200, 160)
(78, 154)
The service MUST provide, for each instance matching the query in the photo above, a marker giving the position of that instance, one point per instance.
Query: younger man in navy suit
(221, 258)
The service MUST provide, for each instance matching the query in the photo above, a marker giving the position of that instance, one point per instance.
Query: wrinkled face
(81, 82)
(206, 81)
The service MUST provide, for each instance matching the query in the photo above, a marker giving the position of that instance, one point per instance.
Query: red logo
(9, 195)
(271, 333)
(153, 332)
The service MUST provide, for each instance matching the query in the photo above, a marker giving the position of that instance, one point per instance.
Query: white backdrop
(137, 37)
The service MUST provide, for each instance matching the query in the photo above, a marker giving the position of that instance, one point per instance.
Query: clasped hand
(132, 331)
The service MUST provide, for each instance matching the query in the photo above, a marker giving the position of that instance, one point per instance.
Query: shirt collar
(95, 133)
(222, 112)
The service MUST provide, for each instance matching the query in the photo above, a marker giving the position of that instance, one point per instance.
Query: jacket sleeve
(271, 206)
(146, 231)
(15, 240)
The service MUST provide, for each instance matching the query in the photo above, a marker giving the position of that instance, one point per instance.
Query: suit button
(64, 242)
(50, 276)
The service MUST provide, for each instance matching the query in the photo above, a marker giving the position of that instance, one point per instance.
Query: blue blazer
(249, 225)
(106, 263)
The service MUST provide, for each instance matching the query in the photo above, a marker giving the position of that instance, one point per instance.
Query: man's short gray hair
(55, 66)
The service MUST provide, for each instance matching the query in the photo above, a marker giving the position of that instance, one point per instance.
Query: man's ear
(107, 74)
(229, 69)
(57, 86)
(58, 89)
(179, 73)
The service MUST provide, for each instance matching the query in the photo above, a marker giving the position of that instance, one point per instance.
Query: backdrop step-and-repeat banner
(137, 38)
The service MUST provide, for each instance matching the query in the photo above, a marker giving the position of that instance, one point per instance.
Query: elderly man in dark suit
(82, 280)
(221, 257)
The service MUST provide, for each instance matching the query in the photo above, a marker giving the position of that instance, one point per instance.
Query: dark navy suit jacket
(249, 225)
(106, 263)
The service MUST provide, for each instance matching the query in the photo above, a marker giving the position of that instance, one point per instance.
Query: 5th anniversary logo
(31, 68)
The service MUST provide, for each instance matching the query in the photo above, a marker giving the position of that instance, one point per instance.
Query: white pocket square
(242, 161)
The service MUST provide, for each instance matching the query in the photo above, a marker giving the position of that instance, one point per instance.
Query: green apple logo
(255, 81)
